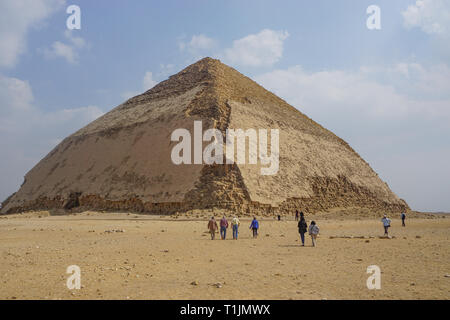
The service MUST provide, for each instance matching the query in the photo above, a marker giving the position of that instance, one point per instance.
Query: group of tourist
(235, 223)
(303, 227)
(254, 226)
(387, 223)
(313, 229)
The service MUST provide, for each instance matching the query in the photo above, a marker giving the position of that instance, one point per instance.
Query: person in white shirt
(313, 232)
(235, 224)
(386, 224)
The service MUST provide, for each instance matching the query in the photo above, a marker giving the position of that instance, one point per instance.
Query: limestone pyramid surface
(122, 160)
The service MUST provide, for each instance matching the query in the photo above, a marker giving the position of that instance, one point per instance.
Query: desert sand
(130, 256)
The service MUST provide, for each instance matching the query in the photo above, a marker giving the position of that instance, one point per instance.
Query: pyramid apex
(205, 64)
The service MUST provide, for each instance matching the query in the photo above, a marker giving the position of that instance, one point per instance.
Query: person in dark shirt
(302, 228)
(403, 219)
(254, 226)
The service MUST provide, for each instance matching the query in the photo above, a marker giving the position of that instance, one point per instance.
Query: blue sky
(386, 92)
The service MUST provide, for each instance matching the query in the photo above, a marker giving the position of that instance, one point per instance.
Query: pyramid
(122, 161)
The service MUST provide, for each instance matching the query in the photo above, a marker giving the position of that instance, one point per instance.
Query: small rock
(418, 237)
(194, 283)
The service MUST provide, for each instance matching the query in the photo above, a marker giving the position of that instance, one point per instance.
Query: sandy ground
(166, 258)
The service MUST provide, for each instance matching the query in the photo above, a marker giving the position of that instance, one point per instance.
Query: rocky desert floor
(130, 256)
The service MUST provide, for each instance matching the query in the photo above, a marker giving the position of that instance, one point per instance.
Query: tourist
(223, 227)
(403, 219)
(212, 226)
(279, 217)
(302, 228)
(235, 225)
(296, 215)
(313, 232)
(386, 224)
(254, 226)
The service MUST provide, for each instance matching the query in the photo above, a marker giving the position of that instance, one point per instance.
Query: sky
(386, 90)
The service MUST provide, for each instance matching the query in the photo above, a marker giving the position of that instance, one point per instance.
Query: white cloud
(27, 133)
(68, 51)
(77, 42)
(371, 91)
(148, 81)
(16, 96)
(201, 42)
(198, 42)
(432, 16)
(390, 115)
(256, 50)
(129, 94)
(59, 49)
(166, 70)
(262, 49)
(17, 17)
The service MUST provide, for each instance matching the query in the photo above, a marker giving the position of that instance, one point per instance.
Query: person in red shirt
(223, 227)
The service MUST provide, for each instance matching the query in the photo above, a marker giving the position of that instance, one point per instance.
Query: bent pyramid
(122, 160)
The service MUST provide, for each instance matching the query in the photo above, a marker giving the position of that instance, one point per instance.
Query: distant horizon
(385, 90)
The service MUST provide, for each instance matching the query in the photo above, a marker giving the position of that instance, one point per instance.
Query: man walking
(254, 226)
(212, 226)
(403, 219)
(223, 227)
(235, 225)
(386, 224)
(302, 228)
